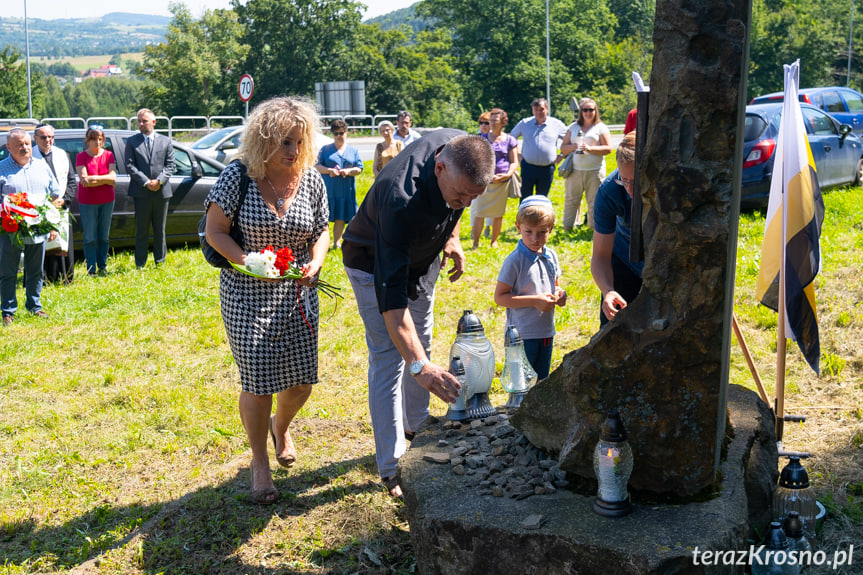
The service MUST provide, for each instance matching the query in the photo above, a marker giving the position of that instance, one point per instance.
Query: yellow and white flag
(793, 227)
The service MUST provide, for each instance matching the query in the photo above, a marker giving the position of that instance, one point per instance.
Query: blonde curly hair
(269, 125)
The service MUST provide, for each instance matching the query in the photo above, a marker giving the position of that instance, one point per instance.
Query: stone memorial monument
(663, 363)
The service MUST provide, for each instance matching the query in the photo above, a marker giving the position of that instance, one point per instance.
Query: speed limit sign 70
(247, 87)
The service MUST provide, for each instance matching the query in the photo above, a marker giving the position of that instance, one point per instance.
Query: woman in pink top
(97, 172)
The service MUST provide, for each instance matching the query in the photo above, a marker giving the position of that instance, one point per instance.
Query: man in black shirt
(392, 255)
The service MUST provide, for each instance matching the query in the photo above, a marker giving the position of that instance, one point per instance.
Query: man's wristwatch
(417, 367)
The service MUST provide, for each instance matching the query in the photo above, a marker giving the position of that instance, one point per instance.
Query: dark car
(844, 104)
(837, 151)
(193, 177)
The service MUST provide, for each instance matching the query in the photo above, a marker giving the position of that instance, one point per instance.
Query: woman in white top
(588, 162)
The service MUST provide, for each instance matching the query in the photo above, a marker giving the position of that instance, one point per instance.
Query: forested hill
(67, 37)
(397, 18)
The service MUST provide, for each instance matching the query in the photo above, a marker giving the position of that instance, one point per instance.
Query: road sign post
(246, 89)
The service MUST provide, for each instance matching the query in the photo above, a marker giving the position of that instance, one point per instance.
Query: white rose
(53, 215)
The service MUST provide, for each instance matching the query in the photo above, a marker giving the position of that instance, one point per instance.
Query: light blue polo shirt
(530, 273)
(539, 141)
(35, 178)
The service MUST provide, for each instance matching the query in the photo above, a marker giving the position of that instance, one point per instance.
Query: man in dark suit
(150, 163)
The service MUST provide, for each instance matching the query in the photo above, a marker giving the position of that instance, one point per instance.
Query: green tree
(295, 43)
(54, 103)
(104, 97)
(13, 85)
(417, 76)
(634, 17)
(785, 30)
(196, 69)
(500, 49)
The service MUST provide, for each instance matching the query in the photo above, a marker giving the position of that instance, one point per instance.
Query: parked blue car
(837, 151)
(844, 104)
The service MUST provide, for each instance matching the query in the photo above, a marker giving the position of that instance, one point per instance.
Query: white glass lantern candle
(477, 355)
(518, 376)
(457, 410)
(612, 464)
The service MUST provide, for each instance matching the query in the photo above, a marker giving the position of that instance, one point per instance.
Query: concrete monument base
(459, 527)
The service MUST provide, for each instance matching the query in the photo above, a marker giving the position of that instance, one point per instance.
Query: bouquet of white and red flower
(279, 264)
(21, 219)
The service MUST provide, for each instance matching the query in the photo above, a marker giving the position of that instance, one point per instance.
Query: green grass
(120, 436)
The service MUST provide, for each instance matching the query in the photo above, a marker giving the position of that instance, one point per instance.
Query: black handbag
(213, 257)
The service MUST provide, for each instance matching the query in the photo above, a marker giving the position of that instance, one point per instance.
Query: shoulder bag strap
(244, 189)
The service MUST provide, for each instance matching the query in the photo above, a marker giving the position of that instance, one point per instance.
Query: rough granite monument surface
(663, 361)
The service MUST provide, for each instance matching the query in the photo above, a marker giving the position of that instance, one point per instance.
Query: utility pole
(850, 43)
(27, 46)
(548, 60)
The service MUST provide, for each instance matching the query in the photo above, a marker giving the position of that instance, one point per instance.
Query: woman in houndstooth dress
(272, 324)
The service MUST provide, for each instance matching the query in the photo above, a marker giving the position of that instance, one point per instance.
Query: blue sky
(50, 9)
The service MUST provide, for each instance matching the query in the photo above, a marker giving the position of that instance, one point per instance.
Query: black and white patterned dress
(272, 344)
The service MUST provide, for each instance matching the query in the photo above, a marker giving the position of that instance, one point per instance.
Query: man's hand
(612, 302)
(439, 381)
(59, 203)
(452, 250)
(154, 185)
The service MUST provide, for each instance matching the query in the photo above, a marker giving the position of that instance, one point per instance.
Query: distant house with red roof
(103, 71)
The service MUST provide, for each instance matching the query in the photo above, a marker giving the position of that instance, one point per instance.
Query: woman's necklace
(280, 198)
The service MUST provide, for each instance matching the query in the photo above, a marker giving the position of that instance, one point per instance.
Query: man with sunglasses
(150, 164)
(59, 254)
(618, 279)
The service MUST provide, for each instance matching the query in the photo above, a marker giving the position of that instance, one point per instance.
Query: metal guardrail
(372, 124)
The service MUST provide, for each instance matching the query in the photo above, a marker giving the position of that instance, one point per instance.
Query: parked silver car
(223, 144)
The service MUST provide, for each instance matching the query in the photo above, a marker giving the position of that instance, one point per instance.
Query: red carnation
(284, 257)
(10, 225)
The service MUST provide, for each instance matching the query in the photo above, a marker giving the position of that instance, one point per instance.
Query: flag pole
(745, 349)
(780, 327)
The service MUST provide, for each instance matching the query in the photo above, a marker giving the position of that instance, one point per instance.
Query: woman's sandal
(286, 461)
(392, 485)
(265, 496)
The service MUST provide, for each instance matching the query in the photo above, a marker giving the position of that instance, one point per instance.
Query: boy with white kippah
(528, 284)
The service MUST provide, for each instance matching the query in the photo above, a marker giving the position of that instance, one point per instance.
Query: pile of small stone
(497, 459)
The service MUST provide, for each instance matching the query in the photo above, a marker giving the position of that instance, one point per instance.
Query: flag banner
(792, 229)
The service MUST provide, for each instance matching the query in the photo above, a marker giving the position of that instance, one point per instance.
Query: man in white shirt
(59, 253)
(404, 133)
